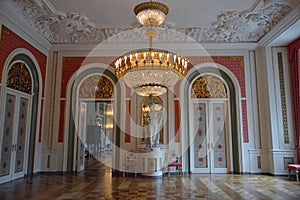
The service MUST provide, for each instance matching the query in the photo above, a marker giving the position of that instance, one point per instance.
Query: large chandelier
(151, 71)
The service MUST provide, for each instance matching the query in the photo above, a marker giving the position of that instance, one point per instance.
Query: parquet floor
(96, 182)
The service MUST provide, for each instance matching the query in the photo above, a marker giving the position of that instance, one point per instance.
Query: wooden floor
(96, 182)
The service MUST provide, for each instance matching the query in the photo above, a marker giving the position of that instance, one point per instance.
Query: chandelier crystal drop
(151, 71)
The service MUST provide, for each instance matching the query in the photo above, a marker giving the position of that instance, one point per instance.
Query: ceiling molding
(59, 27)
(26, 32)
(117, 49)
(289, 20)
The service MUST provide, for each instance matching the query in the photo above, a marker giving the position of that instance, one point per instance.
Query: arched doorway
(95, 120)
(71, 152)
(210, 125)
(233, 110)
(20, 105)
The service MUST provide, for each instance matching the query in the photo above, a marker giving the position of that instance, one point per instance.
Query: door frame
(69, 164)
(235, 112)
(25, 56)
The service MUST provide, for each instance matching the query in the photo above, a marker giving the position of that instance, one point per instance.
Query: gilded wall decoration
(283, 99)
(97, 87)
(241, 59)
(19, 78)
(208, 86)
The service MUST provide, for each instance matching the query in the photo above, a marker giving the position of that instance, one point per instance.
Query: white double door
(209, 136)
(15, 128)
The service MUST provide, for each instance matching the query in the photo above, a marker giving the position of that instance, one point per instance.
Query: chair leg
(297, 176)
(180, 171)
(169, 171)
(289, 174)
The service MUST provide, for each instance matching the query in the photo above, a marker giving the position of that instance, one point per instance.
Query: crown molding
(288, 21)
(60, 27)
(20, 27)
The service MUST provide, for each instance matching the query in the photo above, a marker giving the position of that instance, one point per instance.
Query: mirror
(157, 104)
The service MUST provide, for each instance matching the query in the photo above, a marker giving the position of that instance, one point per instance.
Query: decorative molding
(208, 86)
(19, 78)
(98, 87)
(231, 26)
(17, 24)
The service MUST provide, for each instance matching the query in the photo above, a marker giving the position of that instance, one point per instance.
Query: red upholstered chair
(174, 162)
(177, 165)
(130, 162)
(296, 168)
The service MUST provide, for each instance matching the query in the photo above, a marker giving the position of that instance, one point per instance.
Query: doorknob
(13, 147)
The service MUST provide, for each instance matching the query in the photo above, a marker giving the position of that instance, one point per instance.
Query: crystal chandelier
(151, 14)
(151, 71)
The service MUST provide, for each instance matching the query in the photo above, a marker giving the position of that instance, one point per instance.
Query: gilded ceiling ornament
(19, 78)
(208, 86)
(98, 87)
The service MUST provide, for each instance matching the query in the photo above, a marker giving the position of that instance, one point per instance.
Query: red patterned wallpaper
(10, 41)
(61, 121)
(176, 121)
(245, 121)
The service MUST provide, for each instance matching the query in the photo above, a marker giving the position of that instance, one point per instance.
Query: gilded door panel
(6, 151)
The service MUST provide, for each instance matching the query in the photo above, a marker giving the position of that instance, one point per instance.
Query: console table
(150, 162)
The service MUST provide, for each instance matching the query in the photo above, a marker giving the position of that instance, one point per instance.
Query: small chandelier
(151, 71)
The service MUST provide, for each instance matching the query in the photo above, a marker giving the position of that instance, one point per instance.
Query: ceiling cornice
(59, 27)
(289, 20)
(25, 31)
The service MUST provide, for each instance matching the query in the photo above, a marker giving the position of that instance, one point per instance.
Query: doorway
(210, 142)
(210, 126)
(94, 121)
(17, 123)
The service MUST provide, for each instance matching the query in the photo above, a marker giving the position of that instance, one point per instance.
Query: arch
(72, 94)
(208, 86)
(26, 57)
(235, 109)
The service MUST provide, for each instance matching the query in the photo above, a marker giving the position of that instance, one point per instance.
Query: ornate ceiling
(61, 27)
